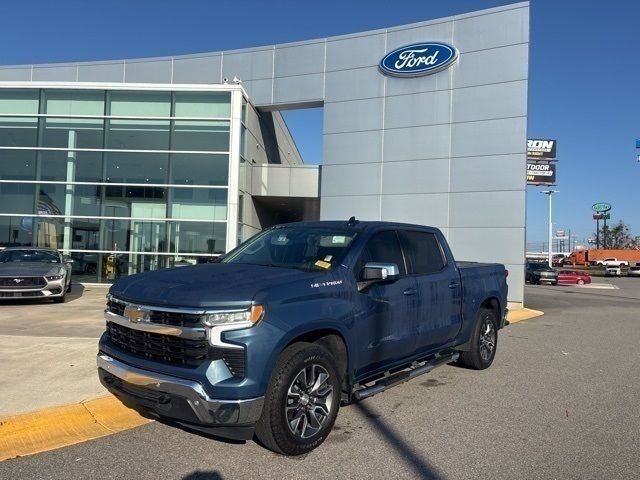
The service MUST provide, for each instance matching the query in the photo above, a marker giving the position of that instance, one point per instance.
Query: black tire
(273, 429)
(61, 299)
(475, 358)
(69, 287)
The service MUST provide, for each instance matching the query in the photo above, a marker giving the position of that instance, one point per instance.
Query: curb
(57, 427)
(515, 316)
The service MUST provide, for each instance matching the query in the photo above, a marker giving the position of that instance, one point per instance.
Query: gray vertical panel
(515, 282)
(417, 143)
(428, 108)
(354, 116)
(365, 207)
(429, 83)
(354, 52)
(504, 245)
(492, 66)
(499, 172)
(438, 32)
(299, 89)
(152, 71)
(489, 137)
(422, 209)
(101, 72)
(356, 179)
(416, 176)
(259, 91)
(249, 65)
(353, 147)
(494, 30)
(501, 100)
(487, 209)
(67, 73)
(354, 84)
(299, 59)
(15, 74)
(197, 69)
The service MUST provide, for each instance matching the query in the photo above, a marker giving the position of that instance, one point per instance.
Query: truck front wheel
(484, 341)
(302, 400)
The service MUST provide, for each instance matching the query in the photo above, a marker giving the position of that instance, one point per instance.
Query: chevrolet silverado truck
(302, 318)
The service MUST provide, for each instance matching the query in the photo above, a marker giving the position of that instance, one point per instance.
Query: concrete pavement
(48, 351)
(560, 401)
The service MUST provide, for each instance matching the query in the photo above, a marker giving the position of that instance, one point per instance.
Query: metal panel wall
(446, 149)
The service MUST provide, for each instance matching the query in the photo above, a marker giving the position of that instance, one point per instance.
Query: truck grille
(23, 282)
(176, 319)
(165, 348)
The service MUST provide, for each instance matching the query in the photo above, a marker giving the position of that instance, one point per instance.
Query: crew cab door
(439, 289)
(386, 320)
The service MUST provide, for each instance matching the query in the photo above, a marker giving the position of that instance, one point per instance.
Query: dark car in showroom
(28, 273)
(538, 272)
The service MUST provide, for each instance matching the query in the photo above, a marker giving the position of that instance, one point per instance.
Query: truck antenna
(352, 221)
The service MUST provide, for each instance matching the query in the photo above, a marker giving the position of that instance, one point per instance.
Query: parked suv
(293, 323)
(539, 272)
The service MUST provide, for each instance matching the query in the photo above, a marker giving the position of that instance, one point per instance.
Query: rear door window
(423, 251)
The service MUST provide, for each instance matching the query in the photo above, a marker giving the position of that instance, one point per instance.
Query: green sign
(606, 216)
(601, 207)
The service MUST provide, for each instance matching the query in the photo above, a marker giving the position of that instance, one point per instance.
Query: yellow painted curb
(515, 316)
(57, 427)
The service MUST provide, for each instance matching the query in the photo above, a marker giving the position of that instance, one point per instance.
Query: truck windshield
(303, 248)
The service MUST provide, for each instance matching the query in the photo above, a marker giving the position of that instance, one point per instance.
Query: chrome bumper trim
(236, 412)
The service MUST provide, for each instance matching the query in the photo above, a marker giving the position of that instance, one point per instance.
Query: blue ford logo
(418, 59)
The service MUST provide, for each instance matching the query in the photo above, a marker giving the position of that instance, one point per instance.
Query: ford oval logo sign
(418, 59)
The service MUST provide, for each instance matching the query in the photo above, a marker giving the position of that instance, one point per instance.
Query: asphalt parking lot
(562, 400)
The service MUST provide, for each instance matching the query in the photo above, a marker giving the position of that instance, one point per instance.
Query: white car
(612, 262)
(634, 271)
(613, 271)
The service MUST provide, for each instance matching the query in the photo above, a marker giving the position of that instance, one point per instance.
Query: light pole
(550, 254)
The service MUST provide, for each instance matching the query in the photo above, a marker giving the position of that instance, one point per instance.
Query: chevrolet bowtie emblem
(136, 314)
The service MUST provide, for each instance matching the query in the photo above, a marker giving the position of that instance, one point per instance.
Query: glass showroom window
(125, 181)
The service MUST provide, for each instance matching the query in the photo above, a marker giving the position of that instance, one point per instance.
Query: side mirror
(67, 259)
(380, 272)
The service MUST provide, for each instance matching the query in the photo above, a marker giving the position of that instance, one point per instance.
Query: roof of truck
(356, 224)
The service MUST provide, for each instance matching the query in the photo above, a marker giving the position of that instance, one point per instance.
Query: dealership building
(140, 164)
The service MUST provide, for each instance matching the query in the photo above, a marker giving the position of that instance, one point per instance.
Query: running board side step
(404, 375)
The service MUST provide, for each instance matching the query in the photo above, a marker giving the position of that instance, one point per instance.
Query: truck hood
(206, 285)
(29, 269)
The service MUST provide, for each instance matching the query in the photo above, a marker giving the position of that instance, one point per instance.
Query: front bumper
(52, 289)
(178, 399)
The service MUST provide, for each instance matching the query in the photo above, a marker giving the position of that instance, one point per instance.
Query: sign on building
(541, 149)
(541, 173)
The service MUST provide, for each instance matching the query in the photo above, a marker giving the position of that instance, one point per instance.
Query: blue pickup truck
(298, 320)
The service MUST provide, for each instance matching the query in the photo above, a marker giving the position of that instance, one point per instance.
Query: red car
(573, 277)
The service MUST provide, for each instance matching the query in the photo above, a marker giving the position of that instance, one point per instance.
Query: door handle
(410, 291)
(453, 285)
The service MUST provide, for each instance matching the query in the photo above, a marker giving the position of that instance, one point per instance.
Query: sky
(583, 90)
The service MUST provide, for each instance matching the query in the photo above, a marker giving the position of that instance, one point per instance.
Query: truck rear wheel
(302, 400)
(484, 341)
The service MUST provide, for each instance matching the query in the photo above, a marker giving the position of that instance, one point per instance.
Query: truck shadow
(420, 466)
(203, 475)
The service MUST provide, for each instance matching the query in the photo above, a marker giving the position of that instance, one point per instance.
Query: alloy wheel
(309, 401)
(487, 340)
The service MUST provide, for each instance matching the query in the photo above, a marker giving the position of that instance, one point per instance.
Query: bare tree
(618, 236)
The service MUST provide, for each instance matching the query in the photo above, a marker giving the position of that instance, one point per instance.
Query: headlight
(54, 277)
(242, 318)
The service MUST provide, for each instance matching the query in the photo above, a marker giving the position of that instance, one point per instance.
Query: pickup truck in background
(612, 262)
(298, 320)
